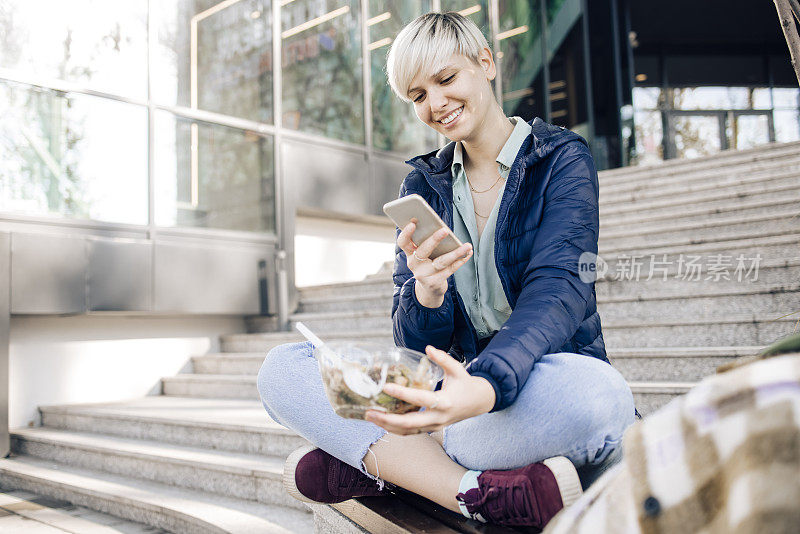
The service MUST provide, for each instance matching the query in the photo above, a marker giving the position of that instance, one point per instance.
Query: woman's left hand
(462, 396)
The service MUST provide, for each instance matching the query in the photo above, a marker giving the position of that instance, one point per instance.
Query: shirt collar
(458, 159)
(507, 154)
(510, 150)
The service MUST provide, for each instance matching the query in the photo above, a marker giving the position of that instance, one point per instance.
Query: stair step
(781, 243)
(709, 233)
(23, 511)
(177, 510)
(678, 364)
(728, 329)
(773, 272)
(745, 328)
(700, 293)
(261, 323)
(345, 301)
(726, 158)
(619, 282)
(650, 396)
(211, 386)
(721, 175)
(733, 329)
(685, 364)
(703, 371)
(357, 319)
(370, 285)
(242, 387)
(643, 367)
(266, 341)
(685, 352)
(753, 198)
(787, 217)
(629, 368)
(224, 424)
(642, 307)
(238, 475)
(228, 363)
(693, 189)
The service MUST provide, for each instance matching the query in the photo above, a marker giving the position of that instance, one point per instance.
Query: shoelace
(485, 496)
(506, 510)
(349, 480)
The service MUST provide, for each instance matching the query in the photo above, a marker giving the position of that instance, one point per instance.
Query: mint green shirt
(477, 280)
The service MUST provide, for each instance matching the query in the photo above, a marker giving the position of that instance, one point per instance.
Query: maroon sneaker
(528, 496)
(312, 475)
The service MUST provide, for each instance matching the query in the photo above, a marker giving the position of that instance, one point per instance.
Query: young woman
(538, 409)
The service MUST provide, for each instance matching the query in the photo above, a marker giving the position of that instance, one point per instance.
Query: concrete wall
(92, 358)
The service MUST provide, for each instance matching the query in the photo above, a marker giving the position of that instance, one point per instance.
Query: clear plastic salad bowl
(354, 375)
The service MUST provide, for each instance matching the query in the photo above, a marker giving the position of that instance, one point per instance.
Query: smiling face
(457, 100)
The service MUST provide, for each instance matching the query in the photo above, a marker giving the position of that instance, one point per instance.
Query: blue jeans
(572, 405)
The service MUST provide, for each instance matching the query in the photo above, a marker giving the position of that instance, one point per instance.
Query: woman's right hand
(431, 275)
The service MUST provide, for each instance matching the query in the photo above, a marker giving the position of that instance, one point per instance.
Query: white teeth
(452, 116)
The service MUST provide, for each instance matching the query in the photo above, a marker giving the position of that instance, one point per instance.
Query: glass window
(696, 136)
(787, 114)
(394, 124)
(646, 97)
(787, 125)
(749, 131)
(762, 98)
(227, 182)
(711, 98)
(521, 58)
(72, 155)
(786, 97)
(553, 9)
(649, 137)
(215, 56)
(321, 68)
(99, 44)
(476, 10)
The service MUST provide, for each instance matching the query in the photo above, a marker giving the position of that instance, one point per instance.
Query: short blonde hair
(426, 44)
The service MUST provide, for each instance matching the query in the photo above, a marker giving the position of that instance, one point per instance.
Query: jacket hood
(546, 138)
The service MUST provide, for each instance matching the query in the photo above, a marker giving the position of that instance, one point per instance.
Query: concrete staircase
(204, 456)
(182, 464)
(735, 215)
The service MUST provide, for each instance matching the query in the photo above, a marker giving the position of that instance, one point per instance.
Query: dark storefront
(663, 80)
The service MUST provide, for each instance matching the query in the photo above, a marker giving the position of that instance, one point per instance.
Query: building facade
(155, 155)
(176, 117)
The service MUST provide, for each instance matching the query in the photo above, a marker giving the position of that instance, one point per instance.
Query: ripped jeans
(571, 405)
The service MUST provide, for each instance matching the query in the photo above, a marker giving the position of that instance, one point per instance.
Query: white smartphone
(402, 210)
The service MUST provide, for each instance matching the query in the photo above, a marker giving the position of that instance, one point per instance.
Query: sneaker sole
(569, 485)
(289, 468)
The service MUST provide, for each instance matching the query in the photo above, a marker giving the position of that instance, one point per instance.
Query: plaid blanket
(725, 457)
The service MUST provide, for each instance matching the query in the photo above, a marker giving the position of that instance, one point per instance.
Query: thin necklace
(485, 190)
(479, 215)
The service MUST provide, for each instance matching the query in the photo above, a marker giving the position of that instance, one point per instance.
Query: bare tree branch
(790, 32)
(796, 8)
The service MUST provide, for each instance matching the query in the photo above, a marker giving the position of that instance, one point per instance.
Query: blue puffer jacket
(548, 217)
